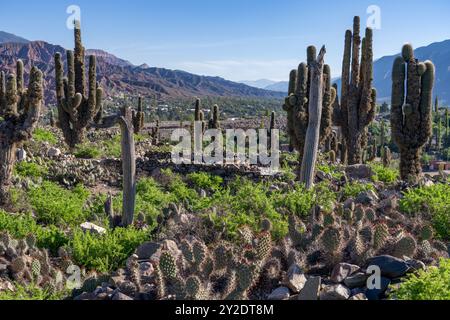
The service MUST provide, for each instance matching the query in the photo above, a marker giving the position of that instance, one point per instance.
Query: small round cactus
(380, 235)
(426, 233)
(266, 225)
(331, 239)
(186, 249)
(193, 285)
(35, 268)
(264, 246)
(406, 246)
(18, 265)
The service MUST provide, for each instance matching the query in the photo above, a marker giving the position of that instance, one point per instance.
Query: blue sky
(234, 39)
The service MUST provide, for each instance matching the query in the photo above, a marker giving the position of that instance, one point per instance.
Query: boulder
(147, 249)
(53, 152)
(342, 270)
(335, 292)
(357, 280)
(390, 267)
(281, 293)
(377, 293)
(120, 296)
(311, 289)
(359, 171)
(21, 155)
(359, 296)
(92, 228)
(367, 197)
(295, 279)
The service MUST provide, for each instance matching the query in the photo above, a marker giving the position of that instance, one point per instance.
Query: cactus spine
(296, 104)
(358, 99)
(21, 111)
(76, 109)
(411, 112)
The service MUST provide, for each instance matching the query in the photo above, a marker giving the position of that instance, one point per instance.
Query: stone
(311, 289)
(21, 155)
(92, 228)
(390, 267)
(147, 249)
(349, 203)
(335, 292)
(359, 171)
(342, 270)
(377, 293)
(416, 265)
(359, 296)
(357, 280)
(281, 293)
(146, 269)
(295, 279)
(367, 197)
(53, 152)
(121, 296)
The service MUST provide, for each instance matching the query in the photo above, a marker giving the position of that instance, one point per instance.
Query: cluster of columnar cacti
(26, 264)
(193, 274)
(411, 111)
(138, 117)
(297, 103)
(77, 107)
(21, 109)
(357, 107)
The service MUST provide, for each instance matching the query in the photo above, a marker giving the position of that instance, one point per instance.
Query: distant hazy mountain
(281, 86)
(118, 76)
(261, 84)
(9, 37)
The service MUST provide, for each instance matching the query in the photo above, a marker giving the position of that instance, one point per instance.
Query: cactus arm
(92, 98)
(11, 95)
(80, 84)
(19, 75)
(70, 74)
(292, 81)
(426, 102)
(398, 99)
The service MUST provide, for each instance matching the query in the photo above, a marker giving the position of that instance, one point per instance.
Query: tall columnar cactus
(358, 99)
(296, 104)
(138, 117)
(312, 138)
(21, 111)
(76, 107)
(214, 122)
(272, 121)
(197, 110)
(411, 111)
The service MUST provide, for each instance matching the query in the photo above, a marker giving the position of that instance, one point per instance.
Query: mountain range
(438, 52)
(120, 77)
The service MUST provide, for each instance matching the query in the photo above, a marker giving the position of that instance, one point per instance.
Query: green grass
(353, 189)
(433, 284)
(42, 135)
(87, 151)
(30, 292)
(205, 181)
(386, 175)
(433, 200)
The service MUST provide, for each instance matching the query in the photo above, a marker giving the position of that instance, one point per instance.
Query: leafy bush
(331, 169)
(87, 151)
(205, 181)
(56, 205)
(43, 135)
(433, 284)
(30, 169)
(150, 198)
(353, 189)
(106, 252)
(386, 175)
(19, 226)
(433, 200)
(30, 292)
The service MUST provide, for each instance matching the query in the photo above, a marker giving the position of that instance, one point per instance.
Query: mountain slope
(261, 84)
(9, 37)
(119, 77)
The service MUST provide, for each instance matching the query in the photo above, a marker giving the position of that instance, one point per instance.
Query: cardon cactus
(76, 107)
(296, 104)
(411, 111)
(214, 122)
(21, 109)
(138, 117)
(356, 109)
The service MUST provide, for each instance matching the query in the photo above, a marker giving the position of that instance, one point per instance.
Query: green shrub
(19, 226)
(87, 151)
(56, 205)
(108, 252)
(386, 175)
(42, 135)
(151, 199)
(433, 200)
(353, 189)
(30, 292)
(205, 181)
(331, 169)
(30, 169)
(433, 284)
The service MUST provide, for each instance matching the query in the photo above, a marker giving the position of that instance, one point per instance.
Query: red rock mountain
(119, 77)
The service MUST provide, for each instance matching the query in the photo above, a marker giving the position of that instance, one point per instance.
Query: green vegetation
(29, 169)
(43, 135)
(433, 200)
(386, 175)
(353, 189)
(30, 292)
(433, 284)
(205, 181)
(87, 151)
(105, 252)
